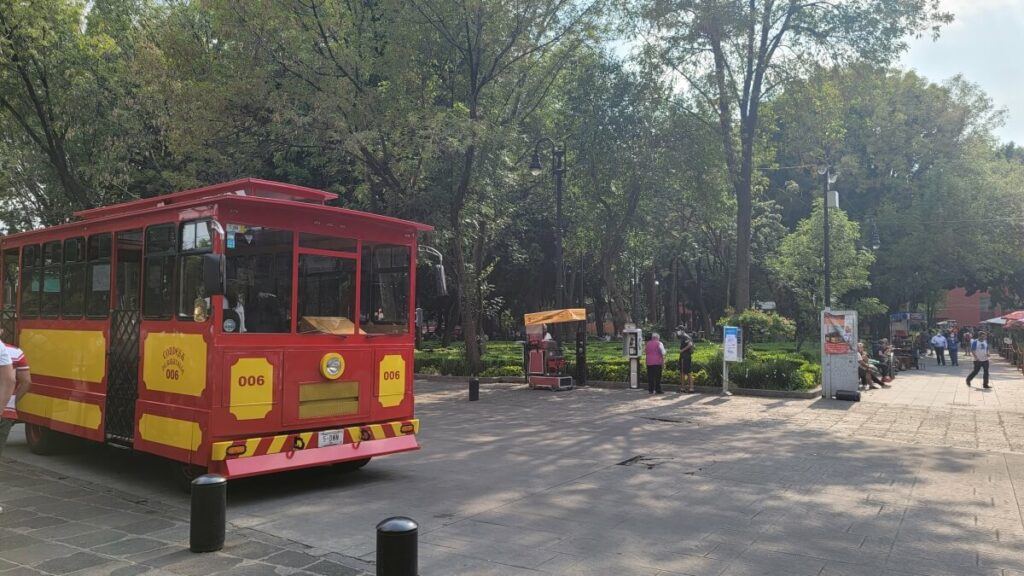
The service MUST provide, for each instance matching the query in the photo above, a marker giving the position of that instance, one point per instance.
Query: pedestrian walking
(685, 361)
(953, 345)
(979, 351)
(655, 360)
(939, 345)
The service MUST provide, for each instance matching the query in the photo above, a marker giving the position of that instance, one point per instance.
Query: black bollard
(474, 389)
(209, 507)
(397, 547)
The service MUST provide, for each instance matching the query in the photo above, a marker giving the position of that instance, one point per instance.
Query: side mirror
(442, 282)
(213, 273)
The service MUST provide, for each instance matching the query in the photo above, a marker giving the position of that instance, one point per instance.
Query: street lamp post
(829, 178)
(558, 171)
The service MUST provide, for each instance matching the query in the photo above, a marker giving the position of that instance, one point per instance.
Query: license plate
(330, 438)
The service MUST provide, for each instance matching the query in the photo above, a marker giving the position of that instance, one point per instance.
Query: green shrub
(428, 370)
(701, 379)
(760, 326)
(503, 371)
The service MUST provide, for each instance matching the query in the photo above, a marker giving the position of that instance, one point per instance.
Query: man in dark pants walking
(979, 351)
(939, 345)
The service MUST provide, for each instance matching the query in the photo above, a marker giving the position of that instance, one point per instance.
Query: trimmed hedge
(775, 368)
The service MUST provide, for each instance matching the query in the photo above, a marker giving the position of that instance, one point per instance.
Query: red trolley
(241, 328)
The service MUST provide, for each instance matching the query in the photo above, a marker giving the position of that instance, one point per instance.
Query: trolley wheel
(351, 465)
(184, 473)
(43, 441)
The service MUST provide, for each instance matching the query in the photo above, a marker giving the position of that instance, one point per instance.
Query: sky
(985, 44)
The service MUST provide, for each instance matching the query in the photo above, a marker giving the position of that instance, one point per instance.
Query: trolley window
(333, 243)
(11, 276)
(31, 280)
(327, 294)
(73, 293)
(97, 299)
(259, 278)
(193, 301)
(129, 269)
(49, 307)
(385, 289)
(158, 281)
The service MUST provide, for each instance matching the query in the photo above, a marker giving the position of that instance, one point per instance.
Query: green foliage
(503, 371)
(760, 325)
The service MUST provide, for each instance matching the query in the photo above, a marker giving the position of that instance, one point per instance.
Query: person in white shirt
(979, 351)
(6, 380)
(939, 345)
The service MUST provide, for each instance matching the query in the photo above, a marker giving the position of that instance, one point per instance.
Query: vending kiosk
(545, 362)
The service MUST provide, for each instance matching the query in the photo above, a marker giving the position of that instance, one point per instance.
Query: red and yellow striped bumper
(253, 456)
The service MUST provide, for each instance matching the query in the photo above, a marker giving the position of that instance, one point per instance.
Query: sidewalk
(54, 524)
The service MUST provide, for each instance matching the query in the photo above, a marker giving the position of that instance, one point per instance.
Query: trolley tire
(184, 473)
(351, 465)
(43, 441)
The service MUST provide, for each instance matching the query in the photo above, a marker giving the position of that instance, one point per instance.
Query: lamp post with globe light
(829, 177)
(558, 171)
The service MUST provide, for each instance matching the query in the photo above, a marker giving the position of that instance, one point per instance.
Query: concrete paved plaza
(924, 478)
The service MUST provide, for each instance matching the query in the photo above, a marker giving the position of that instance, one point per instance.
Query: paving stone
(117, 519)
(72, 563)
(291, 559)
(128, 546)
(42, 552)
(168, 558)
(203, 564)
(329, 568)
(132, 570)
(66, 530)
(147, 526)
(13, 540)
(97, 537)
(251, 549)
(37, 522)
(22, 571)
(176, 534)
(254, 569)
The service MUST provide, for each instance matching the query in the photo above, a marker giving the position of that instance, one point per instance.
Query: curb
(606, 385)
(795, 394)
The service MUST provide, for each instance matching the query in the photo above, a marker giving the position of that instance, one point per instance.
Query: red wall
(966, 310)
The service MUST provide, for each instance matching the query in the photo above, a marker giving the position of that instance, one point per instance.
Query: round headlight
(230, 325)
(332, 365)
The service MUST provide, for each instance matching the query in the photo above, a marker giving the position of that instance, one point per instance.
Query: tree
(799, 264)
(917, 160)
(732, 55)
(72, 135)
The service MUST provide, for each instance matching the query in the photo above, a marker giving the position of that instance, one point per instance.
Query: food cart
(903, 327)
(543, 355)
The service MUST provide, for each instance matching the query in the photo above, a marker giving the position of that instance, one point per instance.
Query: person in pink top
(655, 359)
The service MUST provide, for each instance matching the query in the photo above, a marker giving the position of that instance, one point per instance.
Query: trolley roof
(266, 192)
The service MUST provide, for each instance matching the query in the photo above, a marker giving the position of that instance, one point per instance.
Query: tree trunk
(672, 296)
(743, 220)
(599, 312)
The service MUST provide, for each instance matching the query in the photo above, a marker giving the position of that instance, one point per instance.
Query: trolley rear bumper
(254, 456)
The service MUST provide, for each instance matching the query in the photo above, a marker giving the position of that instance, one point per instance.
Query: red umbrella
(1018, 315)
